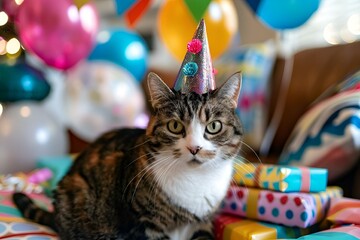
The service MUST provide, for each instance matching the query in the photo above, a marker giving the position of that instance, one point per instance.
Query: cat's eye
(175, 126)
(214, 127)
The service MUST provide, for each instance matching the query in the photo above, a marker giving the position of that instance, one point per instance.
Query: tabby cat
(165, 182)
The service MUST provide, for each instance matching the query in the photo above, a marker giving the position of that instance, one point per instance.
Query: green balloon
(20, 81)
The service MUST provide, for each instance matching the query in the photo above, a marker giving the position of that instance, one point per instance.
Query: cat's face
(191, 130)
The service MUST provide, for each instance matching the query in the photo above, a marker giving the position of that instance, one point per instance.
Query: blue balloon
(124, 48)
(286, 14)
(20, 81)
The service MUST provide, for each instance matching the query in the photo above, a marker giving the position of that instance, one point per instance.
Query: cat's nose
(194, 150)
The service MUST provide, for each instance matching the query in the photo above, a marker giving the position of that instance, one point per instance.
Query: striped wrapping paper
(344, 211)
(340, 233)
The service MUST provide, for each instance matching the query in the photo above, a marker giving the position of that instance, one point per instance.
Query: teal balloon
(285, 14)
(22, 82)
(124, 48)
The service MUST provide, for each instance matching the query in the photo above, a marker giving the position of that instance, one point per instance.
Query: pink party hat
(196, 72)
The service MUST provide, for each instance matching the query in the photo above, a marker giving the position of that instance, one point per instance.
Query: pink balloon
(57, 31)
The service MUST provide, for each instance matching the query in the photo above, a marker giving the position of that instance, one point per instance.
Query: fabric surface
(13, 226)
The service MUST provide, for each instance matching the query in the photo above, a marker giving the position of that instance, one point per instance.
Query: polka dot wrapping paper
(229, 227)
(281, 178)
(290, 209)
(13, 226)
(339, 233)
(344, 211)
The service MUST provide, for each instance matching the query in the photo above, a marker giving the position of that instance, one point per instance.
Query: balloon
(124, 48)
(57, 31)
(22, 82)
(101, 96)
(285, 14)
(176, 26)
(28, 132)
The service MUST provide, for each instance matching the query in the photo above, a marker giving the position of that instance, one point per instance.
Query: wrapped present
(340, 233)
(281, 178)
(229, 227)
(344, 211)
(290, 209)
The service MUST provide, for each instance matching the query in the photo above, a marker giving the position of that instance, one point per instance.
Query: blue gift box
(281, 178)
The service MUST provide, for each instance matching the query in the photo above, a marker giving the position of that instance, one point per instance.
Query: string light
(347, 36)
(13, 46)
(1, 109)
(3, 18)
(330, 34)
(19, 2)
(25, 111)
(353, 24)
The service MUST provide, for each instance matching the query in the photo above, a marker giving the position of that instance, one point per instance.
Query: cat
(165, 182)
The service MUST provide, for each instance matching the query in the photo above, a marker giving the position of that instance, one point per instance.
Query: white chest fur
(199, 189)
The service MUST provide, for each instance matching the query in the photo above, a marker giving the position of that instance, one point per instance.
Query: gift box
(281, 178)
(229, 227)
(344, 211)
(290, 209)
(339, 233)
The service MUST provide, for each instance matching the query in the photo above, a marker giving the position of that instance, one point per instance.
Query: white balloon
(27, 132)
(101, 96)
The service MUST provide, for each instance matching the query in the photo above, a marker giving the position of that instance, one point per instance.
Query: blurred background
(72, 69)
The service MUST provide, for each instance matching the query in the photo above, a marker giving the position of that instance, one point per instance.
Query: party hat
(196, 72)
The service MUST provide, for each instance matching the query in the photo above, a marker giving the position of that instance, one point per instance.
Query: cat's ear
(230, 90)
(158, 90)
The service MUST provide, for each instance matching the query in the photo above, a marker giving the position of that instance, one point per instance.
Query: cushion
(328, 134)
(13, 226)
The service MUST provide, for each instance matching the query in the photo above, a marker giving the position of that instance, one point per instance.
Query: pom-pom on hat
(196, 73)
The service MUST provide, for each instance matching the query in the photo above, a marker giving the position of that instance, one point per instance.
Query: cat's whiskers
(139, 173)
(256, 155)
(139, 145)
(145, 155)
(153, 187)
(159, 179)
(146, 170)
(241, 165)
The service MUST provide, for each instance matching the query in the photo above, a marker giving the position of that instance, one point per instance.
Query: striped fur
(137, 184)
